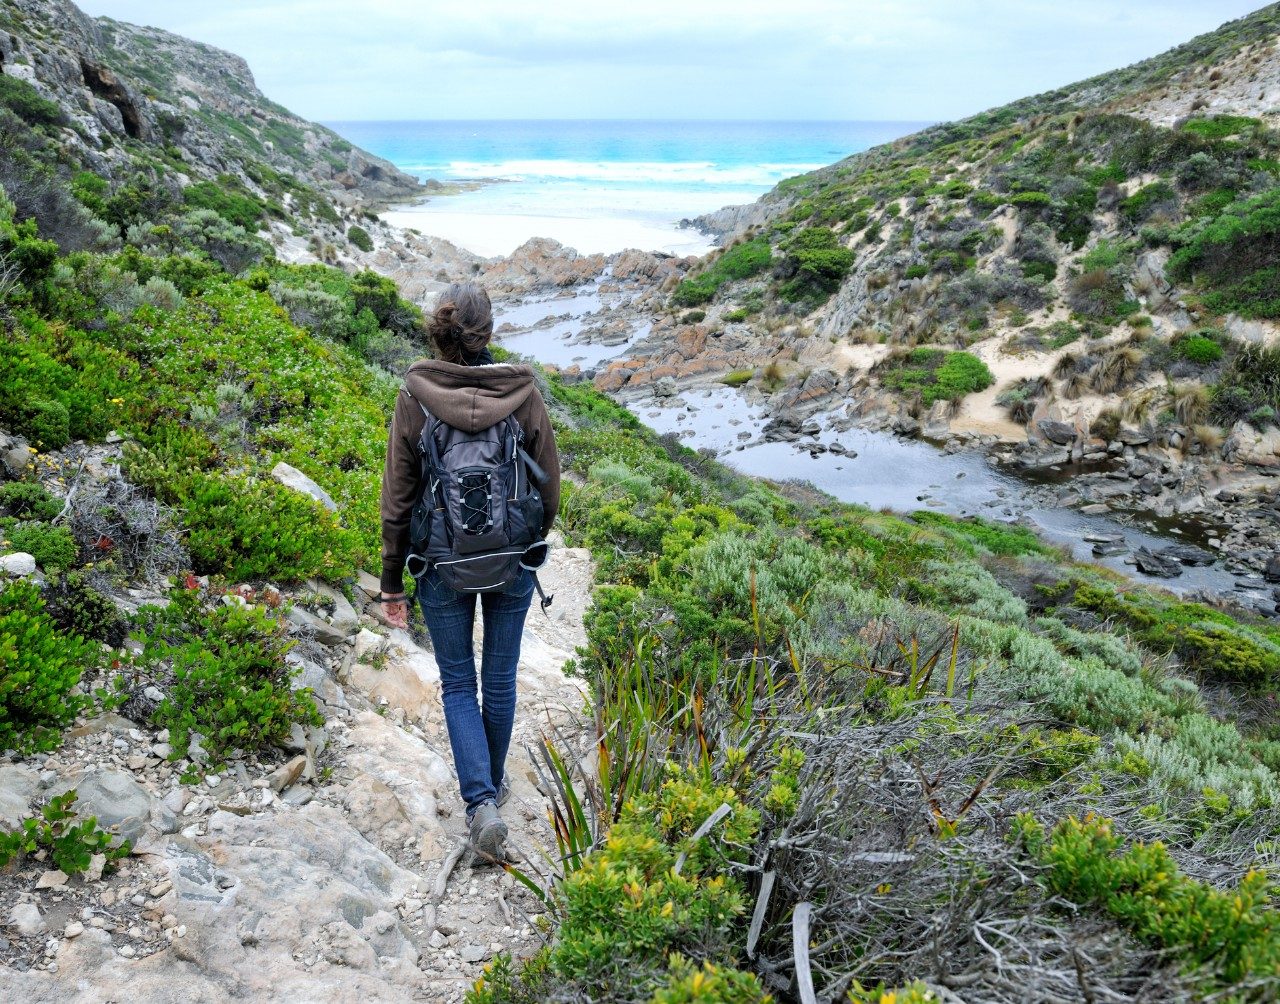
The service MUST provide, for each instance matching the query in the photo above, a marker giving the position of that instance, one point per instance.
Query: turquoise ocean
(603, 177)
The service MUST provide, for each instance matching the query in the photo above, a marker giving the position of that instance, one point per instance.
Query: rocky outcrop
(541, 263)
(116, 80)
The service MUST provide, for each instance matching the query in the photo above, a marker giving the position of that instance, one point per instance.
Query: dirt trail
(320, 891)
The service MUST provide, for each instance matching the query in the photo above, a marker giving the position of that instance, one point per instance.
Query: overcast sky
(904, 60)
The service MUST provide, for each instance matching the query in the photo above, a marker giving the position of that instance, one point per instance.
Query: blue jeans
(479, 738)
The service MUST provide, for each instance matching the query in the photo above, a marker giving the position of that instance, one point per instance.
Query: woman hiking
(466, 391)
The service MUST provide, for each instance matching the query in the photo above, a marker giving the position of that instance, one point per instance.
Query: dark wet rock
(1272, 571)
(1151, 563)
(1110, 549)
(1062, 433)
(1188, 554)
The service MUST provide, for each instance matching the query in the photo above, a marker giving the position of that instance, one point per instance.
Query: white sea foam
(694, 173)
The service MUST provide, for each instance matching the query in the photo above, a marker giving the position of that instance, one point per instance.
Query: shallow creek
(874, 469)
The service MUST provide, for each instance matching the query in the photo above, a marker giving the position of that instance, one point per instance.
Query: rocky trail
(308, 879)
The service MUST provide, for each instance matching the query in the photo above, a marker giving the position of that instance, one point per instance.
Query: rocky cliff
(135, 94)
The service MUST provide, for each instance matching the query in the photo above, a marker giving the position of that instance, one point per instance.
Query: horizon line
(692, 121)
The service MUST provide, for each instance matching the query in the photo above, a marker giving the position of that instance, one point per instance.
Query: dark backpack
(478, 518)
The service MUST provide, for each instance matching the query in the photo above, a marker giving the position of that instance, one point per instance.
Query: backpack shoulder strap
(428, 436)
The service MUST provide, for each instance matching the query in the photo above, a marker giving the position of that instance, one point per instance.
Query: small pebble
(73, 930)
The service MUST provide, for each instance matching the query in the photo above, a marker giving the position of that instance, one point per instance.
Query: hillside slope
(1088, 276)
(133, 93)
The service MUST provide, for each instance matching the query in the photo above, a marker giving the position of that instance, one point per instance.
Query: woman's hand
(395, 610)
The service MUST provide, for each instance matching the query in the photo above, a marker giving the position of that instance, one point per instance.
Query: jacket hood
(469, 398)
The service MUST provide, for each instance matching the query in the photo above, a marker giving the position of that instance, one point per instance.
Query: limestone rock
(18, 786)
(26, 921)
(293, 478)
(321, 629)
(114, 797)
(17, 565)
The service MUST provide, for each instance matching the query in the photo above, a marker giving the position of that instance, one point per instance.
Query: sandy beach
(494, 234)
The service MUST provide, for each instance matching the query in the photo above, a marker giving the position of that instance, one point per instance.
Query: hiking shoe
(488, 831)
(504, 791)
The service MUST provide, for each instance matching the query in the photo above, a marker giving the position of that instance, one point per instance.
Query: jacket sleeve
(542, 447)
(399, 492)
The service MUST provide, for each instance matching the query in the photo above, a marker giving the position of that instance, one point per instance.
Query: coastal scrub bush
(28, 500)
(39, 669)
(1146, 202)
(1233, 934)
(359, 236)
(1250, 388)
(814, 265)
(70, 844)
(28, 104)
(53, 547)
(228, 198)
(1234, 257)
(628, 911)
(935, 374)
(1205, 639)
(1198, 348)
(741, 261)
(251, 528)
(223, 672)
(229, 244)
(77, 608)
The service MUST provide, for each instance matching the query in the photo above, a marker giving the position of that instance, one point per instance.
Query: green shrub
(1220, 126)
(736, 315)
(39, 669)
(1233, 934)
(937, 375)
(1233, 256)
(359, 236)
(45, 423)
(998, 538)
(741, 261)
(245, 528)
(228, 198)
(1045, 270)
(709, 984)
(222, 669)
(814, 266)
(27, 500)
(1207, 640)
(916, 271)
(79, 609)
(27, 103)
(1249, 389)
(1157, 197)
(693, 317)
(737, 378)
(229, 244)
(1034, 201)
(53, 547)
(70, 845)
(1199, 349)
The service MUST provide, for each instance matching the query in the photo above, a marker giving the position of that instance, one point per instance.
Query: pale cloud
(816, 59)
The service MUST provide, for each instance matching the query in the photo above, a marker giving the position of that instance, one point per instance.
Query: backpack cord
(545, 600)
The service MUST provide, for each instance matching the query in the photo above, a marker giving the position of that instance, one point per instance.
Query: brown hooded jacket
(469, 398)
